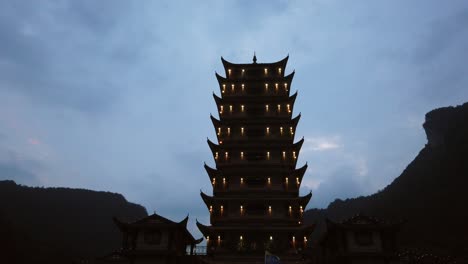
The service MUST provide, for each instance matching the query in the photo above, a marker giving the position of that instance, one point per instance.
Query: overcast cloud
(116, 95)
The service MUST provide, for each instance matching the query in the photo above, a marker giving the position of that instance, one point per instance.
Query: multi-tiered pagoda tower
(255, 204)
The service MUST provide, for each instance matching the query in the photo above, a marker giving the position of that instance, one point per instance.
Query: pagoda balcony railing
(259, 159)
(256, 218)
(254, 189)
(288, 163)
(257, 189)
(256, 114)
(197, 250)
(255, 91)
(248, 139)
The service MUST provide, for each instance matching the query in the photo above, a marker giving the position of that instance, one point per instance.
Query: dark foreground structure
(255, 204)
(154, 239)
(360, 239)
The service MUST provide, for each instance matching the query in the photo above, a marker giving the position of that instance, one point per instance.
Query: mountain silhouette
(430, 196)
(58, 225)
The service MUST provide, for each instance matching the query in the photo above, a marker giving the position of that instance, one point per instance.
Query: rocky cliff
(431, 193)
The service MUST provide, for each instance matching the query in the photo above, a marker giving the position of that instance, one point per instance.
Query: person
(271, 259)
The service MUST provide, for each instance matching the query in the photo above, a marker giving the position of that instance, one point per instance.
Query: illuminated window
(290, 209)
(232, 87)
(241, 210)
(286, 180)
(240, 237)
(243, 71)
(229, 131)
(224, 180)
(289, 108)
(269, 180)
(286, 86)
(281, 130)
(269, 209)
(242, 155)
(279, 70)
(300, 209)
(266, 86)
(220, 142)
(242, 131)
(224, 88)
(230, 108)
(291, 131)
(221, 109)
(305, 239)
(268, 155)
(226, 155)
(266, 70)
(214, 181)
(294, 155)
(243, 87)
(276, 87)
(279, 108)
(219, 131)
(216, 155)
(267, 108)
(242, 108)
(297, 181)
(268, 131)
(271, 237)
(242, 180)
(284, 154)
(229, 71)
(211, 209)
(208, 238)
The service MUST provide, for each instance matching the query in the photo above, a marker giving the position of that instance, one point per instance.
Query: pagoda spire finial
(254, 59)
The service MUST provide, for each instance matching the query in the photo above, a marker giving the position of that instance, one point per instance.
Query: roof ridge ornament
(254, 59)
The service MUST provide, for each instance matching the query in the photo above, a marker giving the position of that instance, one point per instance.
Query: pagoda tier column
(255, 203)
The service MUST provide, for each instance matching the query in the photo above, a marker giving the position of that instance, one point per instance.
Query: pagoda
(255, 204)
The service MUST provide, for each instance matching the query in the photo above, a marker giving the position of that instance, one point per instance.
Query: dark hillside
(430, 194)
(60, 224)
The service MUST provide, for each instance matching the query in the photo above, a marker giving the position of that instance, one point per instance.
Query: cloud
(21, 171)
(344, 182)
(33, 141)
(117, 94)
(321, 143)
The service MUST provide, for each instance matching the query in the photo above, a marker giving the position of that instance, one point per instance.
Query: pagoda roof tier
(257, 121)
(301, 229)
(229, 65)
(246, 100)
(256, 191)
(216, 172)
(259, 165)
(256, 146)
(211, 200)
(212, 172)
(279, 79)
(270, 119)
(261, 143)
(246, 144)
(155, 221)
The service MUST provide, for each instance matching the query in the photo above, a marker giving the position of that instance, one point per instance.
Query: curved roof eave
(281, 62)
(203, 228)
